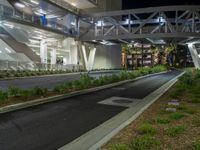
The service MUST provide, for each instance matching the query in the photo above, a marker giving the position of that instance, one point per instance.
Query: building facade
(45, 32)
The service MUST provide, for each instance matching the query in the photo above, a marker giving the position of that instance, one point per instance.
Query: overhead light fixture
(9, 25)
(74, 4)
(73, 23)
(34, 2)
(8, 50)
(0, 52)
(19, 5)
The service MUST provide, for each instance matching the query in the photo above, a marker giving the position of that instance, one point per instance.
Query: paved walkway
(52, 125)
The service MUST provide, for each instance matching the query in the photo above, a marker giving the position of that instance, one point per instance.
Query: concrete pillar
(195, 56)
(53, 57)
(43, 51)
(88, 61)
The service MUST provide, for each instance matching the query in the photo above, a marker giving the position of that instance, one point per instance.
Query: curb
(36, 102)
(97, 137)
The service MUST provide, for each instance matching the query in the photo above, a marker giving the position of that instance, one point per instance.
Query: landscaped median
(171, 123)
(16, 95)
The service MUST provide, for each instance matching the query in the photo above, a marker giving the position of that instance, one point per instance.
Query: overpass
(155, 25)
(177, 24)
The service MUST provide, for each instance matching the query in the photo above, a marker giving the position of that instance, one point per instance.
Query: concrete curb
(100, 135)
(23, 105)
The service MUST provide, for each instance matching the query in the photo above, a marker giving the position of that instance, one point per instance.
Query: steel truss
(174, 23)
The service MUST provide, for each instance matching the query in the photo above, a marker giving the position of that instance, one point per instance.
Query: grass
(147, 129)
(174, 131)
(145, 142)
(162, 120)
(176, 116)
(188, 110)
(196, 121)
(119, 147)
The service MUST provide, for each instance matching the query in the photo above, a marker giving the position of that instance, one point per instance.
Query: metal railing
(8, 12)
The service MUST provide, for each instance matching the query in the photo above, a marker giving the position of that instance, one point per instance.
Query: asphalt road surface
(48, 81)
(50, 126)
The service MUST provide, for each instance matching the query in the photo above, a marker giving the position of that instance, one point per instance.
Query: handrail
(8, 12)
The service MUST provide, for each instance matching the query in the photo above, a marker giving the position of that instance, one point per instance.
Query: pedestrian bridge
(158, 25)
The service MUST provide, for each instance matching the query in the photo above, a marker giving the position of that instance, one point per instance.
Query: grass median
(16, 95)
(171, 123)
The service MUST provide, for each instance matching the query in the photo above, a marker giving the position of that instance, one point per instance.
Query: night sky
(131, 4)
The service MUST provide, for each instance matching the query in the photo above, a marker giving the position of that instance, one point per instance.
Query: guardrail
(8, 12)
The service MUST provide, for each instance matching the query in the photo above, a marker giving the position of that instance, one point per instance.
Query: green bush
(26, 94)
(174, 131)
(145, 142)
(3, 96)
(119, 147)
(38, 91)
(196, 145)
(14, 91)
(147, 129)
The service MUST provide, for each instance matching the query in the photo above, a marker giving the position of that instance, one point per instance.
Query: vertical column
(53, 57)
(88, 61)
(195, 56)
(91, 58)
(43, 51)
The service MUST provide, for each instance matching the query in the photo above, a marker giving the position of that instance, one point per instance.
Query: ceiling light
(9, 25)
(34, 2)
(8, 50)
(74, 4)
(20, 5)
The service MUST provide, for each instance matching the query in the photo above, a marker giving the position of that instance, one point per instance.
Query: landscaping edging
(32, 103)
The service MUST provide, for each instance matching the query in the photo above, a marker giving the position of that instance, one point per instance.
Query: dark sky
(131, 4)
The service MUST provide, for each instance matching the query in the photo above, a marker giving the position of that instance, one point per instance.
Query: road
(50, 126)
(48, 81)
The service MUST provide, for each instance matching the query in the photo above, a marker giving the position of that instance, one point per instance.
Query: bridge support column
(43, 51)
(88, 60)
(53, 57)
(195, 56)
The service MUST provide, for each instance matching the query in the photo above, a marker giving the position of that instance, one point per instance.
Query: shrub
(145, 142)
(14, 91)
(147, 129)
(196, 145)
(3, 96)
(119, 147)
(174, 131)
(37, 91)
(26, 94)
(187, 78)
